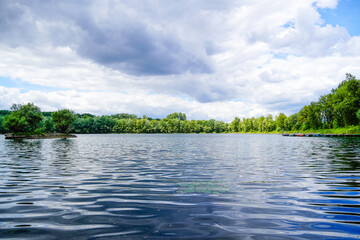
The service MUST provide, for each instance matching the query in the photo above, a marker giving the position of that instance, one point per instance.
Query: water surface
(229, 186)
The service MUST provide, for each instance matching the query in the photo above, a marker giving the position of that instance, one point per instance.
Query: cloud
(220, 56)
(138, 102)
(299, 33)
(132, 44)
(8, 96)
(327, 3)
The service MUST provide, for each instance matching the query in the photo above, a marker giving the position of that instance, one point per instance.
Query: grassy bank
(343, 130)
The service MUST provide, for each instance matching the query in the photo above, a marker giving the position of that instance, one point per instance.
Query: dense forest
(340, 108)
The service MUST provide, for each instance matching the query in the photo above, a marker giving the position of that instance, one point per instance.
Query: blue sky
(207, 58)
(25, 86)
(346, 14)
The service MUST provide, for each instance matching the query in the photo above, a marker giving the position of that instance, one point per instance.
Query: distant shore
(39, 136)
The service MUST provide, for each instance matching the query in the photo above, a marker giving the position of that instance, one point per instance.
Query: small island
(26, 121)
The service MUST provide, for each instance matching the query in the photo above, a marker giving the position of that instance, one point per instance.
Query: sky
(207, 58)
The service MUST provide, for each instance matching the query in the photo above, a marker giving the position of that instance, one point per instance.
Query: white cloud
(56, 67)
(8, 96)
(139, 103)
(327, 3)
(208, 59)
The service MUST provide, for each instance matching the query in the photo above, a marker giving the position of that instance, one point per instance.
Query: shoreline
(71, 135)
(319, 135)
(39, 136)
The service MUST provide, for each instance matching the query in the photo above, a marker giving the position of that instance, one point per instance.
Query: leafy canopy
(63, 120)
(23, 118)
(179, 116)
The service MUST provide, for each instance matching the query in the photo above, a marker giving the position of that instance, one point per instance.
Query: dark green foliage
(235, 125)
(103, 124)
(47, 125)
(281, 122)
(2, 128)
(124, 116)
(327, 113)
(23, 118)
(83, 125)
(169, 126)
(346, 101)
(179, 116)
(15, 123)
(4, 112)
(63, 119)
(47, 114)
(337, 109)
(85, 115)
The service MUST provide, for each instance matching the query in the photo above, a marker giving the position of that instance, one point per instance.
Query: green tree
(261, 123)
(4, 112)
(246, 125)
(281, 122)
(220, 127)
(194, 126)
(326, 110)
(346, 101)
(123, 116)
(23, 118)
(163, 126)
(2, 128)
(179, 116)
(269, 123)
(82, 125)
(291, 121)
(173, 125)
(47, 125)
(63, 120)
(235, 125)
(119, 126)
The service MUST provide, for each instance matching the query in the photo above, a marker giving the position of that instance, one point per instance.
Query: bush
(23, 118)
(63, 120)
(353, 130)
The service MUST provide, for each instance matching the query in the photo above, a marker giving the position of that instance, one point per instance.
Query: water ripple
(229, 186)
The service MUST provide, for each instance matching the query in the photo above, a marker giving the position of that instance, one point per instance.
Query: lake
(196, 186)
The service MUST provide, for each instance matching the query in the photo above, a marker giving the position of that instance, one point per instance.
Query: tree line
(339, 108)
(28, 119)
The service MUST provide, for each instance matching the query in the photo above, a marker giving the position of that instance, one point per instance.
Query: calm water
(180, 186)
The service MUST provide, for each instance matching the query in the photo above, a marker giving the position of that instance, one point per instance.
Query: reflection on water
(180, 186)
